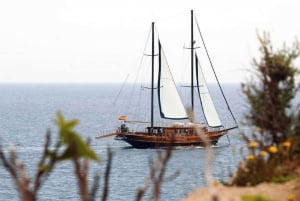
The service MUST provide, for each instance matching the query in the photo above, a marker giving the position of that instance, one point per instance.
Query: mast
(192, 60)
(152, 76)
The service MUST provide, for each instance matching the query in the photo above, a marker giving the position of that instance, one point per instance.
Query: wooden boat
(187, 134)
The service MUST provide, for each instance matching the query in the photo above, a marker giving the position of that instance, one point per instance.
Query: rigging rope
(214, 71)
(121, 89)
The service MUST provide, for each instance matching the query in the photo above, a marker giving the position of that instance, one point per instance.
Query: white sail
(208, 107)
(170, 103)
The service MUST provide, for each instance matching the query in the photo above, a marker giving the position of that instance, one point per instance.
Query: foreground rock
(289, 191)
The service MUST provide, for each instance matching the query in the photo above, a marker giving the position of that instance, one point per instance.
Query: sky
(91, 41)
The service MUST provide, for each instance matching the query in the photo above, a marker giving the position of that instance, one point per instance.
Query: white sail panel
(208, 107)
(170, 103)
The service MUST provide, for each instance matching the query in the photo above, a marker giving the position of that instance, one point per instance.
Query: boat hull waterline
(164, 137)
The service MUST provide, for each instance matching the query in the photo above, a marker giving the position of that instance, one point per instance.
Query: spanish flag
(122, 118)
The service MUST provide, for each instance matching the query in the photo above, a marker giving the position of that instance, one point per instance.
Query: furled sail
(208, 107)
(170, 104)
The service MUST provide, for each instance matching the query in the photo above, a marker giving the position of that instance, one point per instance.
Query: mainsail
(208, 107)
(171, 106)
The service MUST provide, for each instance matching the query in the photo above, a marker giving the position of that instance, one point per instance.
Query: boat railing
(165, 124)
(142, 126)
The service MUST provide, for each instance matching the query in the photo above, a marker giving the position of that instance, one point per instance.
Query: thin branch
(157, 167)
(42, 172)
(80, 172)
(158, 182)
(95, 187)
(107, 174)
(148, 180)
(208, 156)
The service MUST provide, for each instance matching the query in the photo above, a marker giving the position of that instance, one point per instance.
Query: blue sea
(27, 111)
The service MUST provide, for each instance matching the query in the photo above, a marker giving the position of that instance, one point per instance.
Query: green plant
(283, 179)
(255, 198)
(274, 143)
(69, 146)
(271, 92)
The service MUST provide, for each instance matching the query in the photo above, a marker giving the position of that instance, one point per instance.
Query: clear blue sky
(102, 41)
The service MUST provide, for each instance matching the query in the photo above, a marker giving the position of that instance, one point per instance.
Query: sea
(28, 111)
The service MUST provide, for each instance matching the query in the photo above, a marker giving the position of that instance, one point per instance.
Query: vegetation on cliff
(274, 147)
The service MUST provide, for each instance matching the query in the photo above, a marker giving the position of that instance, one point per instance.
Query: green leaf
(75, 146)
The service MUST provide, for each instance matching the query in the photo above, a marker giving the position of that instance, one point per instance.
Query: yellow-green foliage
(72, 141)
(274, 147)
(255, 198)
(272, 163)
(271, 91)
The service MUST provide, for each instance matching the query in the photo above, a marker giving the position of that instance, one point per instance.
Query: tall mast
(192, 60)
(152, 76)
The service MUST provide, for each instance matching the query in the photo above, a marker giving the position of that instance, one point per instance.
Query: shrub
(274, 143)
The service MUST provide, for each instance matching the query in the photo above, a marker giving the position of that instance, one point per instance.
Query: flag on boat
(122, 118)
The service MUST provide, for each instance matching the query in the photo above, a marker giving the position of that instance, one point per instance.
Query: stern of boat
(121, 132)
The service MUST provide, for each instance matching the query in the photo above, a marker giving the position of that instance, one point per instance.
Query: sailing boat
(171, 107)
